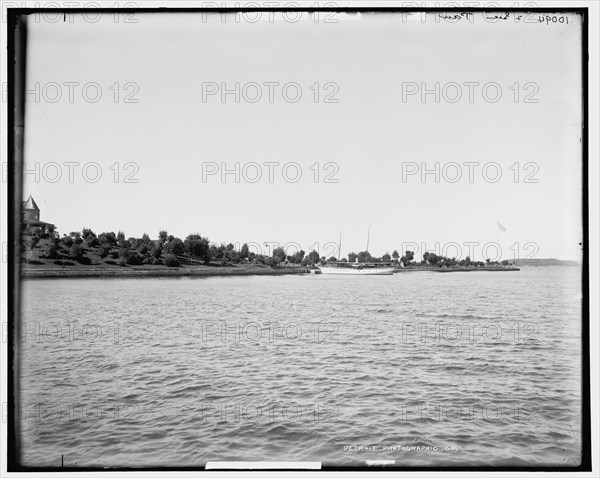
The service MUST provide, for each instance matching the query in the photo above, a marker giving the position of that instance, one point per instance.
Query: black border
(15, 93)
(14, 214)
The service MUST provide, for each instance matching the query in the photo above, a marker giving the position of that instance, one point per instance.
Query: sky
(369, 147)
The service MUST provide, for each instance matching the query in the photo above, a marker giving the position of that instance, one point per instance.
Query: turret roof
(30, 204)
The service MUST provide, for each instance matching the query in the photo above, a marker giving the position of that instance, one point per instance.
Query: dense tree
(279, 254)
(104, 250)
(297, 258)
(133, 242)
(175, 247)
(171, 261)
(156, 250)
(197, 247)
(121, 239)
(449, 262)
(272, 261)
(134, 260)
(76, 236)
(313, 257)
(231, 254)
(431, 258)
(245, 252)
(67, 241)
(34, 240)
(364, 256)
(407, 258)
(386, 257)
(163, 236)
(221, 251)
(76, 252)
(395, 255)
(260, 259)
(213, 252)
(90, 238)
(108, 238)
(352, 257)
(51, 251)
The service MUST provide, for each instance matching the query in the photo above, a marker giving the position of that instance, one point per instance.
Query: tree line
(172, 251)
(166, 250)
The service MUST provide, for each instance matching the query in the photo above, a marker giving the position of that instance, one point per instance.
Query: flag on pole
(501, 227)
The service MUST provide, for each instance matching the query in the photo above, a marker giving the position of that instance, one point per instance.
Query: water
(424, 369)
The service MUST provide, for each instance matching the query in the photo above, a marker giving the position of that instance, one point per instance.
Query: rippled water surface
(421, 368)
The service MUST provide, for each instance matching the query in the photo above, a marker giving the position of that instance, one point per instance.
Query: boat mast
(340, 248)
(368, 237)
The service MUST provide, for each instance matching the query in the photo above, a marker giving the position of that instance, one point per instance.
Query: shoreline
(208, 271)
(459, 269)
(124, 273)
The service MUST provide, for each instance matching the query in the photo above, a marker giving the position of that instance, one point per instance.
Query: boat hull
(368, 271)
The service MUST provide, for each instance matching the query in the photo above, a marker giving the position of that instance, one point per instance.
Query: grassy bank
(494, 268)
(475, 269)
(51, 271)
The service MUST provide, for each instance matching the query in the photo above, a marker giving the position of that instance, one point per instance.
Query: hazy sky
(370, 134)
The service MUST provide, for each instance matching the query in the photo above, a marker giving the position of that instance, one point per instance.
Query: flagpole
(499, 227)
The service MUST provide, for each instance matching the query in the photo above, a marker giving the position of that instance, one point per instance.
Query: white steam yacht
(358, 268)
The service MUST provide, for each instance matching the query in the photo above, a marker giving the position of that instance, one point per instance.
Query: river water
(424, 369)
